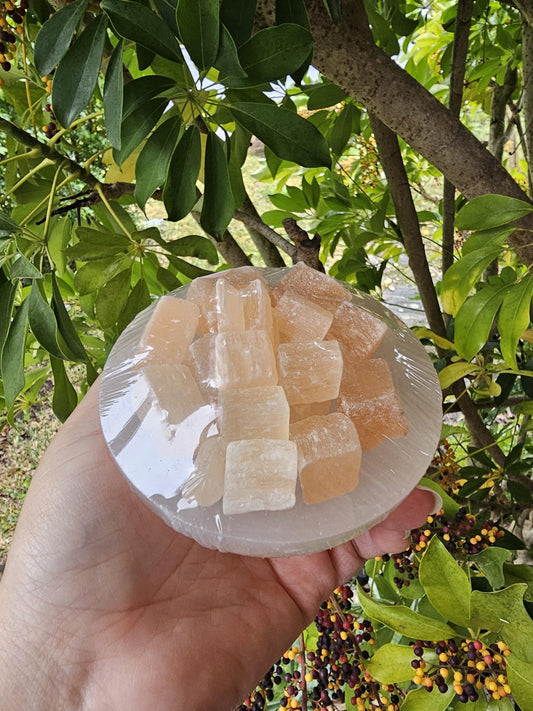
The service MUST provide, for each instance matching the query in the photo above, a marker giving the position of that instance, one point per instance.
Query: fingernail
(437, 499)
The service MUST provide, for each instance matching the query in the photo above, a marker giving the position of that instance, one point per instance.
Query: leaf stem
(103, 198)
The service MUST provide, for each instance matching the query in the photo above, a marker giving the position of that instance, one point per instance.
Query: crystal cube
(202, 292)
(368, 397)
(261, 475)
(244, 359)
(313, 285)
(175, 390)
(170, 331)
(257, 306)
(300, 320)
(229, 306)
(358, 331)
(253, 413)
(201, 360)
(302, 412)
(310, 372)
(329, 456)
(205, 486)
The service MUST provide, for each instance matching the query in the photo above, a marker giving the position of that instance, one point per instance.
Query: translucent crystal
(313, 285)
(244, 359)
(257, 306)
(170, 331)
(201, 360)
(261, 474)
(302, 412)
(253, 413)
(202, 292)
(358, 331)
(301, 320)
(175, 390)
(329, 456)
(229, 306)
(310, 372)
(205, 486)
(369, 399)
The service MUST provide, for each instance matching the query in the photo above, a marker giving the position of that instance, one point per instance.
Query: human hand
(105, 608)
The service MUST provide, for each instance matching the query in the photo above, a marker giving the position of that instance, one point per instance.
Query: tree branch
(252, 219)
(266, 248)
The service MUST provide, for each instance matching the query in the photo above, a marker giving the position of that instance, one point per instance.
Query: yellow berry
(443, 657)
(457, 676)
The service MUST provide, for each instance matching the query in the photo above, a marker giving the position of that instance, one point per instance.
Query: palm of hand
(133, 613)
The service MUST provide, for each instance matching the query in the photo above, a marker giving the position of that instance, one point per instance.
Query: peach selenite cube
(368, 397)
(229, 306)
(310, 372)
(244, 359)
(261, 475)
(313, 285)
(169, 331)
(205, 486)
(329, 456)
(175, 390)
(253, 413)
(300, 320)
(358, 331)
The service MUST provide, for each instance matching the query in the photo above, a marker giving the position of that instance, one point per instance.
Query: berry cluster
(461, 535)
(447, 467)
(405, 567)
(470, 667)
(50, 129)
(11, 26)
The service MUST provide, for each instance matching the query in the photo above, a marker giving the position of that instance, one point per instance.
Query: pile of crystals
(290, 374)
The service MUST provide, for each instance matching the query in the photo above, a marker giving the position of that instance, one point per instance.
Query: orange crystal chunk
(358, 331)
(329, 456)
(301, 320)
(313, 285)
(369, 399)
(201, 360)
(244, 359)
(229, 306)
(170, 331)
(310, 372)
(202, 292)
(175, 390)
(205, 486)
(254, 413)
(257, 306)
(302, 412)
(260, 475)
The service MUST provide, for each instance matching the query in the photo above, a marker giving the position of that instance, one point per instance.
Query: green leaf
(491, 561)
(167, 10)
(43, 321)
(227, 60)
(275, 52)
(113, 88)
(22, 268)
(218, 205)
(8, 225)
(475, 318)
(7, 299)
(391, 664)
(59, 236)
(167, 279)
(519, 573)
(289, 135)
(179, 192)
(137, 125)
(449, 506)
(194, 246)
(238, 17)
(323, 96)
(342, 129)
(143, 89)
(112, 298)
(71, 345)
(503, 612)
(459, 279)
(65, 398)
(514, 317)
(77, 72)
(191, 271)
(334, 10)
(55, 36)
(482, 238)
(198, 25)
(96, 244)
(13, 356)
(135, 22)
(138, 300)
(152, 163)
(488, 211)
(404, 620)
(446, 584)
(455, 371)
(420, 700)
(144, 56)
(520, 675)
(95, 274)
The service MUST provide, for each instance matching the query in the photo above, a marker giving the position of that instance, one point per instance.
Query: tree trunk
(527, 59)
